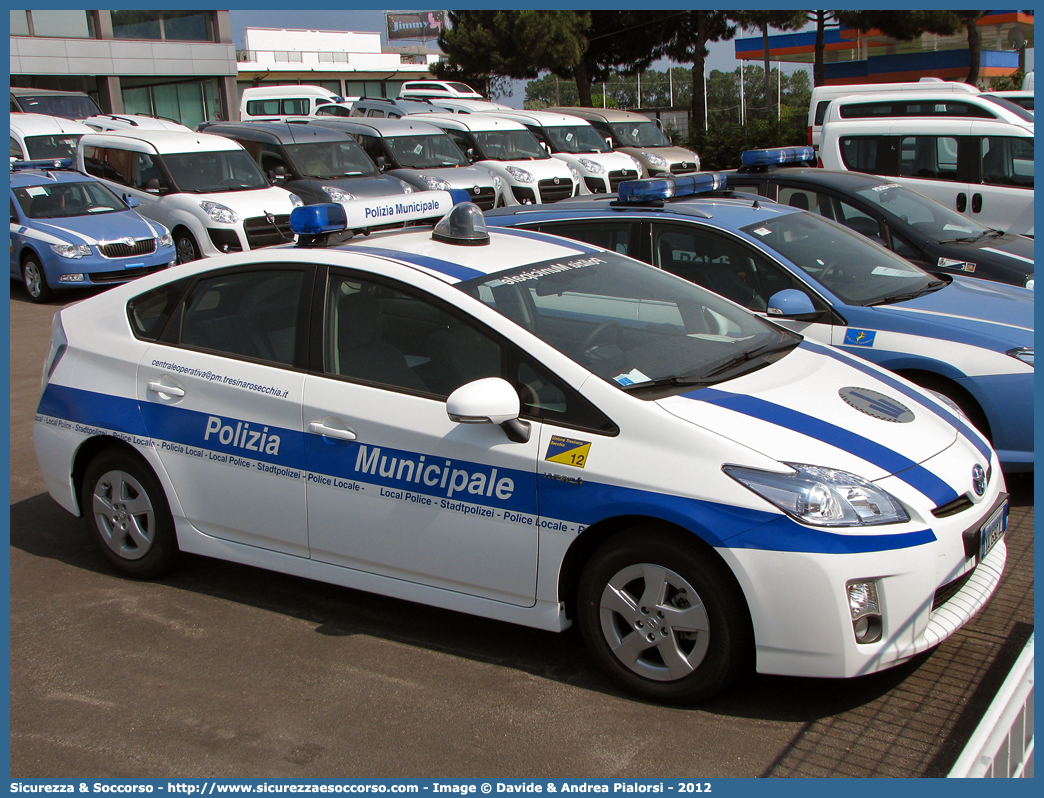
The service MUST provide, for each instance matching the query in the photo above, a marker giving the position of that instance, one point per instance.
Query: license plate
(993, 530)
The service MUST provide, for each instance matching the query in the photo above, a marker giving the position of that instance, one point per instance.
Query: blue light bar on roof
(47, 163)
(652, 189)
(313, 220)
(777, 155)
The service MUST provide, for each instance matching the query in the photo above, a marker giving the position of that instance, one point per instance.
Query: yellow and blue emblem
(568, 451)
(860, 337)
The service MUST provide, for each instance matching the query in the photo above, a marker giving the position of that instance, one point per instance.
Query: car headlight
(406, 187)
(296, 201)
(338, 195)
(637, 163)
(1029, 282)
(521, 175)
(822, 496)
(218, 212)
(592, 166)
(164, 241)
(656, 160)
(497, 182)
(573, 173)
(696, 159)
(1023, 353)
(435, 183)
(71, 250)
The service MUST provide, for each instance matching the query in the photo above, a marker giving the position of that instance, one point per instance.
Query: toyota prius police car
(530, 429)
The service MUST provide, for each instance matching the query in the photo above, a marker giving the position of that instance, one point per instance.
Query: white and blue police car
(529, 429)
(968, 339)
(70, 231)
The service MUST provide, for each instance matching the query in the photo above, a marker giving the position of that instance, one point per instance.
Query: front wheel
(128, 516)
(36, 281)
(663, 617)
(185, 247)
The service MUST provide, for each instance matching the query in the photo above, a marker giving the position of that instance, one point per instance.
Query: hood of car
(820, 407)
(97, 228)
(254, 202)
(362, 187)
(976, 307)
(672, 154)
(1006, 247)
(542, 169)
(457, 176)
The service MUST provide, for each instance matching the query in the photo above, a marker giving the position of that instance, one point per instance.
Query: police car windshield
(508, 145)
(639, 134)
(847, 264)
(575, 139)
(214, 172)
(60, 146)
(329, 159)
(63, 200)
(933, 219)
(641, 329)
(425, 152)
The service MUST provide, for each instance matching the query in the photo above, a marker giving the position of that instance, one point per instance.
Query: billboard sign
(415, 25)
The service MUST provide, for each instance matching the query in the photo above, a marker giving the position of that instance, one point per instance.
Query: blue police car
(70, 231)
(969, 340)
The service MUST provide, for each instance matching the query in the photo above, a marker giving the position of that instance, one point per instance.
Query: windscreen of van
(575, 139)
(214, 172)
(62, 145)
(508, 145)
(425, 152)
(331, 159)
(639, 134)
(68, 106)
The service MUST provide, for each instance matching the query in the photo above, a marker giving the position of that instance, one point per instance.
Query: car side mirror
(131, 202)
(279, 173)
(153, 186)
(382, 162)
(490, 400)
(470, 154)
(791, 304)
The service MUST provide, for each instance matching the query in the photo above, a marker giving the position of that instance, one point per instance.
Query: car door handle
(165, 390)
(319, 428)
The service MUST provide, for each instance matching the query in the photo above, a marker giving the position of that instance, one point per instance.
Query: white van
(36, 137)
(980, 167)
(279, 103)
(469, 106)
(430, 89)
(575, 141)
(205, 189)
(822, 95)
(507, 149)
(927, 104)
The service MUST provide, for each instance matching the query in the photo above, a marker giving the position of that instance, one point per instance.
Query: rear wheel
(128, 516)
(35, 281)
(663, 617)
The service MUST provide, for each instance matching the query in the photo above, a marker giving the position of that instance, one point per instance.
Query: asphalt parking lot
(222, 670)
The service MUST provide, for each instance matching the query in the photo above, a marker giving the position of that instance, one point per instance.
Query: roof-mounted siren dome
(464, 225)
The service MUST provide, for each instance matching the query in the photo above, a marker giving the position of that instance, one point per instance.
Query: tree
(585, 46)
(763, 20)
(694, 30)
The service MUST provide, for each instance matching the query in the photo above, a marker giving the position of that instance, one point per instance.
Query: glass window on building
(330, 85)
(188, 26)
(354, 88)
(136, 24)
(19, 23)
(60, 24)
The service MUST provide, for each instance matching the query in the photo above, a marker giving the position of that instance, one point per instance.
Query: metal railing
(1002, 744)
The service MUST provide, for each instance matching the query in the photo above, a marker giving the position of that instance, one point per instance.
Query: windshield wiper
(666, 382)
(750, 354)
(984, 234)
(934, 285)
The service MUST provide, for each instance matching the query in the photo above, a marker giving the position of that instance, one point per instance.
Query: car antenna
(756, 205)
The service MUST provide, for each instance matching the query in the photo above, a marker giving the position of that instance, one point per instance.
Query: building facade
(175, 64)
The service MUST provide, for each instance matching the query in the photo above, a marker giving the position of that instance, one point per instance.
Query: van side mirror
(153, 186)
(470, 155)
(279, 173)
(382, 162)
